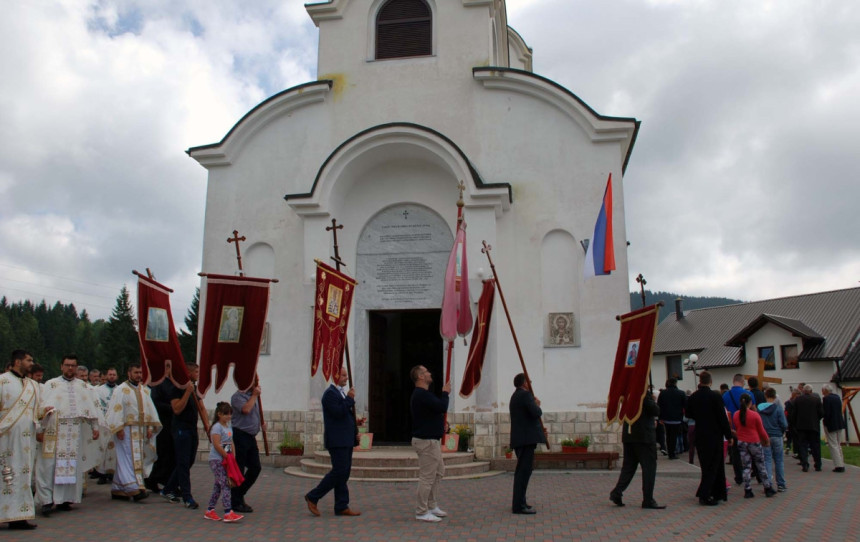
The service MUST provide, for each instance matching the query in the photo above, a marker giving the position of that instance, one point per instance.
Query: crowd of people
(86, 427)
(751, 429)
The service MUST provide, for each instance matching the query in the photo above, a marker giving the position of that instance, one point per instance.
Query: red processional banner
(331, 316)
(234, 317)
(478, 345)
(159, 346)
(632, 364)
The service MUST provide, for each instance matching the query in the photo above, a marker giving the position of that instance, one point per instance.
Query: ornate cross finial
(236, 239)
(461, 187)
(642, 282)
(333, 229)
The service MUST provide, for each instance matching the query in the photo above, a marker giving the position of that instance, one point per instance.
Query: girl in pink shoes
(222, 441)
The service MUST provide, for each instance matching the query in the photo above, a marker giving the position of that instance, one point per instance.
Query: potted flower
(362, 424)
(509, 453)
(465, 432)
(291, 445)
(578, 445)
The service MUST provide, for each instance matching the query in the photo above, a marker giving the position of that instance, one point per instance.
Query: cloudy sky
(740, 185)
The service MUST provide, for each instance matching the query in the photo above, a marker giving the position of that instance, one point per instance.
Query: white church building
(411, 98)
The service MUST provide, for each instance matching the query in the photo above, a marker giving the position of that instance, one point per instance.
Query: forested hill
(668, 299)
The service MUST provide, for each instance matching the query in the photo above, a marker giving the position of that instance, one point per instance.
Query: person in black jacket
(338, 405)
(526, 434)
(806, 417)
(834, 422)
(428, 426)
(672, 402)
(712, 427)
(640, 448)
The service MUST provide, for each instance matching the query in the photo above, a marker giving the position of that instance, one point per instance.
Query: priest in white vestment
(108, 462)
(70, 439)
(133, 422)
(19, 411)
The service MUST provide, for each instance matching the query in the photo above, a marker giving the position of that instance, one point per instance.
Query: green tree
(119, 340)
(86, 343)
(188, 339)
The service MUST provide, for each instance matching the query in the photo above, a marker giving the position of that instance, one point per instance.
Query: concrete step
(393, 457)
(401, 472)
(391, 464)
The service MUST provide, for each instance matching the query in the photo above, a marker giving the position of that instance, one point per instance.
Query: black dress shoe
(653, 505)
(242, 508)
(22, 525)
(65, 507)
(47, 509)
(525, 511)
(839, 469)
(710, 501)
(616, 499)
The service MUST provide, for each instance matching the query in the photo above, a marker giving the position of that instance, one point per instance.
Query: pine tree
(188, 339)
(119, 340)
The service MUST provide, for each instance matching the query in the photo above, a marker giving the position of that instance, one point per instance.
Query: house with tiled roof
(811, 338)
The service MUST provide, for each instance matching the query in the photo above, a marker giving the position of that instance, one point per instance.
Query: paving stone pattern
(571, 506)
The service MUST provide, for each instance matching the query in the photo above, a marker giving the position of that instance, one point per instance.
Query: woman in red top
(750, 437)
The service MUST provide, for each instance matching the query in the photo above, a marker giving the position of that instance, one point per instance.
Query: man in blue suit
(339, 419)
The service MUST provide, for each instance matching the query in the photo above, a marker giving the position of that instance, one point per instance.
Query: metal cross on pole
(337, 263)
(642, 282)
(236, 239)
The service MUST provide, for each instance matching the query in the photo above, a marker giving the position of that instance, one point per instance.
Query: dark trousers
(185, 443)
(337, 477)
(810, 441)
(166, 462)
(248, 458)
(672, 432)
(737, 464)
(635, 454)
(522, 474)
(713, 465)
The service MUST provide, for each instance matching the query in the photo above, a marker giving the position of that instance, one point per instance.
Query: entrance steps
(392, 464)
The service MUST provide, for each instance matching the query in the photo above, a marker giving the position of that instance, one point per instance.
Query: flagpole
(236, 239)
(337, 263)
(486, 250)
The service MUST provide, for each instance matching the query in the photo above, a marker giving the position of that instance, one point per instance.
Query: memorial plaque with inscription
(402, 255)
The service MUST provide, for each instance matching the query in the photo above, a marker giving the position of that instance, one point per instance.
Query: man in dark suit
(526, 434)
(712, 426)
(806, 418)
(339, 439)
(672, 402)
(640, 448)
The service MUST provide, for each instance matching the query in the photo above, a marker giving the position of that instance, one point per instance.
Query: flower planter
(509, 455)
(574, 449)
(292, 451)
(463, 445)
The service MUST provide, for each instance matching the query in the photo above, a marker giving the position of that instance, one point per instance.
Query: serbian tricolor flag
(234, 317)
(331, 316)
(600, 257)
(159, 345)
(478, 345)
(456, 309)
(632, 365)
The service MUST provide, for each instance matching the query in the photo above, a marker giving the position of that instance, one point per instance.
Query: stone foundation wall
(492, 430)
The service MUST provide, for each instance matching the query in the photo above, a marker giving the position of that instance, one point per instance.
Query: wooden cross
(761, 378)
(236, 239)
(333, 229)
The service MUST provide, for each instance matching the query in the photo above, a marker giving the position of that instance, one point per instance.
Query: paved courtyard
(571, 506)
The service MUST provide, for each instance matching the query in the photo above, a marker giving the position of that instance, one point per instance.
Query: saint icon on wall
(560, 329)
(231, 324)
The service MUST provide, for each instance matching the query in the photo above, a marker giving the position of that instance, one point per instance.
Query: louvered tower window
(404, 28)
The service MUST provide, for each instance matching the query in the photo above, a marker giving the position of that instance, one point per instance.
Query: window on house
(404, 28)
(789, 356)
(674, 368)
(766, 353)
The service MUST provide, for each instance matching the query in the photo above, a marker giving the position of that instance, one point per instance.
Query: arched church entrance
(401, 258)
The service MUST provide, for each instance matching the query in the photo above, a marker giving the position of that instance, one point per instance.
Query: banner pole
(486, 250)
(337, 263)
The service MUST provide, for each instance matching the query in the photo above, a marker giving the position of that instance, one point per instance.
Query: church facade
(412, 98)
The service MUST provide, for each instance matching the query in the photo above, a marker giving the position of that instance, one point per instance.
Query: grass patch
(850, 453)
